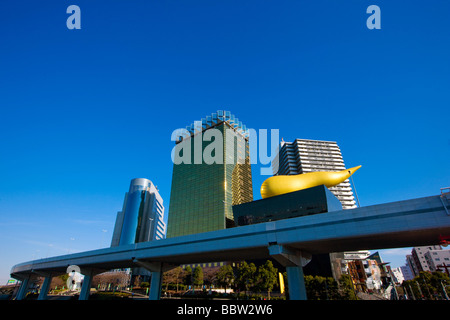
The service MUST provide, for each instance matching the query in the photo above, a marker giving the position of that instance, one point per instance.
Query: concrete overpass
(291, 242)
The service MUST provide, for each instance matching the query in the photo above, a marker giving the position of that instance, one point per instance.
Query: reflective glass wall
(202, 194)
(142, 217)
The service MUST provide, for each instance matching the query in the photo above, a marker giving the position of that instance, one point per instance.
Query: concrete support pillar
(294, 261)
(296, 281)
(157, 269)
(155, 285)
(23, 287)
(45, 287)
(86, 286)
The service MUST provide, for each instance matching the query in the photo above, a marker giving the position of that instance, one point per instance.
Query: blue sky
(85, 111)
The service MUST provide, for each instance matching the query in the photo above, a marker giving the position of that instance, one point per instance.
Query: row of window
(203, 265)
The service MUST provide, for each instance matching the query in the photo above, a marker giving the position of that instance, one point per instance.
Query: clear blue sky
(85, 111)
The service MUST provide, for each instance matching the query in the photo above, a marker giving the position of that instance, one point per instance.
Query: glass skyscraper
(142, 216)
(211, 173)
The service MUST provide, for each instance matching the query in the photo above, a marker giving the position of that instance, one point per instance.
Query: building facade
(407, 273)
(211, 173)
(142, 217)
(426, 258)
(299, 203)
(417, 260)
(411, 265)
(438, 260)
(303, 156)
(398, 275)
(366, 272)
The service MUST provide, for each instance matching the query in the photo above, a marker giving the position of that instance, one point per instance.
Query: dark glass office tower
(211, 173)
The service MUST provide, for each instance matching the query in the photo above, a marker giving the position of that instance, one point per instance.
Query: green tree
(188, 276)
(427, 285)
(439, 281)
(245, 276)
(225, 276)
(412, 289)
(346, 288)
(197, 278)
(321, 288)
(267, 277)
(424, 280)
(311, 287)
(332, 288)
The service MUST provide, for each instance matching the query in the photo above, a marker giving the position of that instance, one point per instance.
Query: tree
(119, 279)
(245, 276)
(412, 290)
(137, 281)
(439, 280)
(424, 280)
(188, 275)
(267, 277)
(427, 285)
(321, 288)
(346, 288)
(332, 288)
(225, 276)
(173, 276)
(197, 278)
(311, 287)
(210, 276)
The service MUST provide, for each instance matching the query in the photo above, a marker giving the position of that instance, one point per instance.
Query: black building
(315, 200)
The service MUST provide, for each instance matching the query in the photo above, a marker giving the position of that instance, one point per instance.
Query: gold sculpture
(277, 185)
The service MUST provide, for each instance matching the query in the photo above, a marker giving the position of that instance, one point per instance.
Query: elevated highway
(409, 223)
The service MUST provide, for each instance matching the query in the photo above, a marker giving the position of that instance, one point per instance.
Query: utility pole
(444, 266)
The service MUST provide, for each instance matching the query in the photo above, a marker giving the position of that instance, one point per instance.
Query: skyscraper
(142, 216)
(302, 156)
(211, 172)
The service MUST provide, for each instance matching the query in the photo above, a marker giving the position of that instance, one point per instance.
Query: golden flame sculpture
(277, 185)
